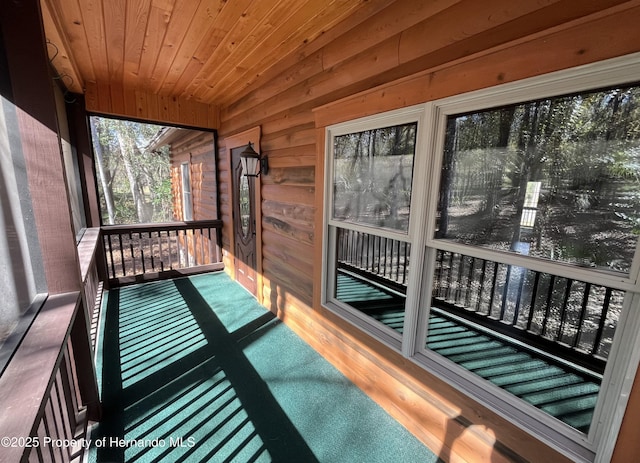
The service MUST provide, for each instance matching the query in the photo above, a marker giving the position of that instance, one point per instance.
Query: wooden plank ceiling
(209, 51)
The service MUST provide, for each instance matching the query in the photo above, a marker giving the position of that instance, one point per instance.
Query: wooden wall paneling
(296, 156)
(628, 447)
(278, 252)
(299, 70)
(287, 283)
(395, 19)
(300, 176)
(424, 54)
(114, 100)
(604, 37)
(308, 47)
(380, 64)
(285, 39)
(303, 42)
(117, 98)
(295, 136)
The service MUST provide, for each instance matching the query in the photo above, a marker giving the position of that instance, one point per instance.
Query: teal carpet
(195, 370)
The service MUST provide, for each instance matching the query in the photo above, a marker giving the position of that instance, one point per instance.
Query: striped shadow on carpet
(195, 370)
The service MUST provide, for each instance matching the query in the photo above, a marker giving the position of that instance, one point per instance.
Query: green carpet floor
(195, 370)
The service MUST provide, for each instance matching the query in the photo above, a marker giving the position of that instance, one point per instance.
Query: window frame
(383, 334)
(187, 196)
(599, 443)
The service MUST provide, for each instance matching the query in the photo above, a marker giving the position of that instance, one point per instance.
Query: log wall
(411, 52)
(135, 104)
(198, 149)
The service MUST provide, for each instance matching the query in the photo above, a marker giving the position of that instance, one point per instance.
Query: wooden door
(244, 224)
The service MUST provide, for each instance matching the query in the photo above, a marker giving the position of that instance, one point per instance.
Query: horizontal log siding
(135, 104)
(198, 149)
(392, 61)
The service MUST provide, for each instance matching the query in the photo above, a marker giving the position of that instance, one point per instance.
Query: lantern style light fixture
(252, 163)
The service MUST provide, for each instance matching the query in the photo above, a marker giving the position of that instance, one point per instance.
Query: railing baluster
(601, 323)
(505, 295)
(113, 269)
(516, 310)
(534, 296)
(547, 311)
(583, 314)
(482, 279)
(472, 263)
(493, 289)
(563, 310)
(458, 292)
(122, 259)
(151, 253)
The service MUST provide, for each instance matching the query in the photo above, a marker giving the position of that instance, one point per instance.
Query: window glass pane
(372, 275)
(244, 200)
(557, 179)
(372, 173)
(542, 337)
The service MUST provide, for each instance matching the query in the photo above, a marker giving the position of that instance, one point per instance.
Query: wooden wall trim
(135, 104)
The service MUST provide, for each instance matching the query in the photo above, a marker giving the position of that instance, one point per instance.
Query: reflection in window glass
(543, 338)
(371, 275)
(372, 176)
(557, 178)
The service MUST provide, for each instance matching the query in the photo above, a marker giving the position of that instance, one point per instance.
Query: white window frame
(599, 443)
(418, 188)
(187, 199)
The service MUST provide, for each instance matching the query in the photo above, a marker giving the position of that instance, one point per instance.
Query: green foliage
(136, 175)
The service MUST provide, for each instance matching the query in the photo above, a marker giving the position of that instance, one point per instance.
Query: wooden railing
(145, 251)
(48, 392)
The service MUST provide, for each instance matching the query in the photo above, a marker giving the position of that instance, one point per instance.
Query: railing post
(85, 369)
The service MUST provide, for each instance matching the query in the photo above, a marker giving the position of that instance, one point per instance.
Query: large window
(371, 195)
(500, 250)
(187, 202)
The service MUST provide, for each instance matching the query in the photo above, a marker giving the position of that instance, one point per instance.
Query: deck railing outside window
(381, 258)
(135, 250)
(567, 318)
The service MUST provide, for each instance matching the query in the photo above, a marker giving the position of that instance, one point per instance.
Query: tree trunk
(106, 185)
(128, 150)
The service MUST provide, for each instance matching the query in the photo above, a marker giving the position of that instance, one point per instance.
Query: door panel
(244, 224)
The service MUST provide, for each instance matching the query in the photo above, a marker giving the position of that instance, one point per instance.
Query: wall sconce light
(252, 163)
